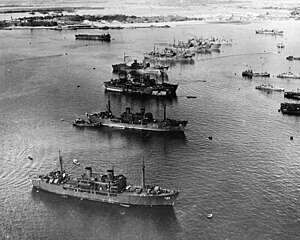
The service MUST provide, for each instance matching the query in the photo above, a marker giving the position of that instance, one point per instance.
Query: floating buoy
(209, 216)
(291, 137)
(94, 68)
(210, 137)
(78, 86)
(30, 158)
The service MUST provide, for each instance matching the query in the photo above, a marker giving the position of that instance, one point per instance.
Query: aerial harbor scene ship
(98, 37)
(128, 120)
(108, 188)
(141, 85)
(186, 148)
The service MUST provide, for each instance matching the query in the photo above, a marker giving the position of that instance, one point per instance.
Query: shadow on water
(104, 220)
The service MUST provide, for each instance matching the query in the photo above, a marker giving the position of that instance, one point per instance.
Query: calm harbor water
(247, 175)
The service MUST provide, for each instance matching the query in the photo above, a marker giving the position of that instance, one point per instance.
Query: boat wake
(33, 58)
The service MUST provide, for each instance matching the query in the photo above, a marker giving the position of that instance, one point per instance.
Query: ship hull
(141, 199)
(292, 95)
(150, 91)
(158, 127)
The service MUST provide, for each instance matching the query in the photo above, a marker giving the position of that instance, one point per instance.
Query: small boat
(261, 74)
(268, 87)
(249, 73)
(290, 108)
(280, 45)
(209, 216)
(188, 97)
(269, 32)
(79, 122)
(75, 161)
(288, 75)
(291, 58)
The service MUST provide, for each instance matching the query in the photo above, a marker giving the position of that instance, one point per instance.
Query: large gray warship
(137, 121)
(107, 187)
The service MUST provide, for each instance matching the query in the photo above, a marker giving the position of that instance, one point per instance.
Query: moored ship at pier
(107, 187)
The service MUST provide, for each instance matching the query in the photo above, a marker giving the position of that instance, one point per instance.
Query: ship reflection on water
(102, 220)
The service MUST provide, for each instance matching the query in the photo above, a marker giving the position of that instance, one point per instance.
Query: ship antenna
(60, 161)
(108, 105)
(165, 111)
(143, 175)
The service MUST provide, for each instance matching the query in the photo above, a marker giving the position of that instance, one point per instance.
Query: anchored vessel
(291, 58)
(107, 187)
(123, 67)
(97, 37)
(250, 73)
(269, 87)
(270, 32)
(294, 94)
(142, 85)
(137, 121)
(290, 108)
(288, 75)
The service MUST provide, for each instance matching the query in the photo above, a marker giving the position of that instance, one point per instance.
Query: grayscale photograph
(149, 119)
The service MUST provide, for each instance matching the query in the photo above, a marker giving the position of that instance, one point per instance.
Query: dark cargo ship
(107, 187)
(290, 108)
(95, 37)
(141, 85)
(138, 121)
(294, 94)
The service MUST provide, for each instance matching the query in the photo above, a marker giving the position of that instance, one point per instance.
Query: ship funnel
(89, 169)
(110, 174)
(143, 111)
(128, 110)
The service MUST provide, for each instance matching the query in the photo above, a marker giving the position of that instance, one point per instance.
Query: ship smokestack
(128, 110)
(110, 174)
(90, 171)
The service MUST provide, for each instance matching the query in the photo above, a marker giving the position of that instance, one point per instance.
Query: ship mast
(165, 111)
(108, 105)
(143, 175)
(60, 161)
